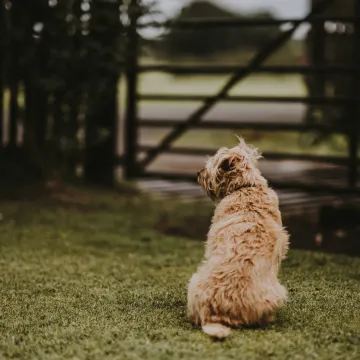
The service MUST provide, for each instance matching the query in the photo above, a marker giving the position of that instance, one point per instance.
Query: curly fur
(237, 282)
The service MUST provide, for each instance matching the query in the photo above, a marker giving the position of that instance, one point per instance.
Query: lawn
(92, 275)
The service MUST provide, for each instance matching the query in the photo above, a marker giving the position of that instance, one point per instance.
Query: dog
(237, 284)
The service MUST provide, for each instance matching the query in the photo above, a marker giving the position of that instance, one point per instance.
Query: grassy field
(264, 85)
(261, 85)
(91, 275)
(255, 85)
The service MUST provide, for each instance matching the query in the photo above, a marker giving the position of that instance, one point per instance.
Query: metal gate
(138, 169)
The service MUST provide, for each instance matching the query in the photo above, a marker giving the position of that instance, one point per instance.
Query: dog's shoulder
(268, 195)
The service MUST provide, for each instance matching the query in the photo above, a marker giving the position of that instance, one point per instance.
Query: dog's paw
(268, 319)
(217, 331)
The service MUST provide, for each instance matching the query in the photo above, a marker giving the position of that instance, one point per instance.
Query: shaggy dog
(237, 282)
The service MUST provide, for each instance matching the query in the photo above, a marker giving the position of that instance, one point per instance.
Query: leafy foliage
(69, 55)
(209, 41)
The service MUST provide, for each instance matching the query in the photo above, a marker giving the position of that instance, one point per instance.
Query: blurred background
(101, 91)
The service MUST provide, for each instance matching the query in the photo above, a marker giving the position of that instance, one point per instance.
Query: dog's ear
(211, 194)
(229, 164)
(225, 165)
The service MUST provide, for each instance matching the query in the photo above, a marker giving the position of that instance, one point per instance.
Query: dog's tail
(216, 330)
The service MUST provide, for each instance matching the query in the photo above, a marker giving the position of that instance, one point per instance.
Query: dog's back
(237, 285)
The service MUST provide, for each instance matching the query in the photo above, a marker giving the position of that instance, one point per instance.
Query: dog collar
(243, 187)
(240, 188)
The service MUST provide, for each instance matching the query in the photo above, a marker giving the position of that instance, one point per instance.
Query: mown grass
(92, 276)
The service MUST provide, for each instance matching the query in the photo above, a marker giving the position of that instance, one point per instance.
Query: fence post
(131, 126)
(354, 112)
(318, 57)
(14, 112)
(102, 113)
(2, 59)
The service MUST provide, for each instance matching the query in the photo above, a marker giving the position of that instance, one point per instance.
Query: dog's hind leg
(193, 300)
(268, 319)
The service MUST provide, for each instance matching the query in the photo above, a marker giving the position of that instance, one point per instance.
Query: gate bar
(259, 126)
(228, 69)
(337, 160)
(198, 23)
(338, 100)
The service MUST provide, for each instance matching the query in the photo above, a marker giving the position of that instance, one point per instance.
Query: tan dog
(237, 282)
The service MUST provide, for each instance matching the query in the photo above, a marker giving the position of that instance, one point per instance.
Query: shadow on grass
(171, 218)
(302, 229)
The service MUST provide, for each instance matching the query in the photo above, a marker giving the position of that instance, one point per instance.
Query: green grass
(254, 85)
(277, 141)
(264, 85)
(91, 276)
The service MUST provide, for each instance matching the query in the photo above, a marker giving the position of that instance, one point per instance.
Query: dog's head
(231, 169)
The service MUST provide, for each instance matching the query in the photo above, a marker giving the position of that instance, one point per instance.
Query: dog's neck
(244, 187)
(237, 188)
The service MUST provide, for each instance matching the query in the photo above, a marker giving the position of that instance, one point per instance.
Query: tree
(68, 56)
(209, 41)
